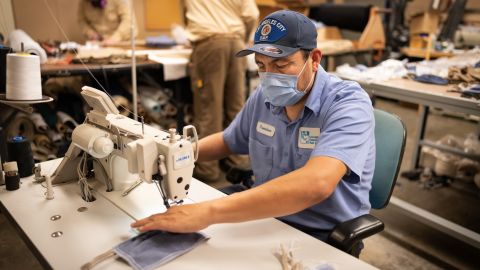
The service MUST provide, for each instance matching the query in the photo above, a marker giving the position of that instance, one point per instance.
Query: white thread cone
(23, 77)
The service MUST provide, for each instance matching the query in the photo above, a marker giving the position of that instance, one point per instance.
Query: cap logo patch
(270, 30)
(266, 29)
(271, 49)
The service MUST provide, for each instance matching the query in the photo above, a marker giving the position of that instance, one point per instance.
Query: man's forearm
(213, 147)
(282, 196)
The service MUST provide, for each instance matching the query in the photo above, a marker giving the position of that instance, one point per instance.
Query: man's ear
(316, 58)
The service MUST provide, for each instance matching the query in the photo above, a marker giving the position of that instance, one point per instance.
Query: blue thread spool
(20, 150)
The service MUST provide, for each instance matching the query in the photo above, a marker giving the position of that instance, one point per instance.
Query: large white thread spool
(23, 77)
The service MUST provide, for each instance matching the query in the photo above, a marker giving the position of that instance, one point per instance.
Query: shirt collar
(313, 100)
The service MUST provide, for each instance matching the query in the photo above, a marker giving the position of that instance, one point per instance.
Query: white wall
(33, 17)
(6, 17)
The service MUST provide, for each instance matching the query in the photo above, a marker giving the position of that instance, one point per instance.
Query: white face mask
(281, 89)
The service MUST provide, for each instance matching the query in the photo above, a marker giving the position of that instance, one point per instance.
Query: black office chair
(390, 135)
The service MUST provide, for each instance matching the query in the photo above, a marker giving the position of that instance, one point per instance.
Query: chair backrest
(390, 135)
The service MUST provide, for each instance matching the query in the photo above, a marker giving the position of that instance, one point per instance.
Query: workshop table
(89, 229)
(62, 70)
(180, 86)
(426, 96)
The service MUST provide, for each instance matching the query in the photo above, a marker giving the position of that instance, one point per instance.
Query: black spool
(3, 144)
(20, 150)
(3, 67)
(12, 182)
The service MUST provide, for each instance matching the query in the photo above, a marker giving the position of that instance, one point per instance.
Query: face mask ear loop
(311, 80)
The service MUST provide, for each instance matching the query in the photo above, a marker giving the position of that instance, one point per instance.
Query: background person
(218, 29)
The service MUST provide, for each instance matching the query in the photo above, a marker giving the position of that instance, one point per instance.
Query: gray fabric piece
(151, 249)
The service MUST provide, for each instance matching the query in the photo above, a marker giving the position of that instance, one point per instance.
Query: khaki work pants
(218, 85)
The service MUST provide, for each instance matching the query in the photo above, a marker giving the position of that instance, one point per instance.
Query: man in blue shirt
(310, 137)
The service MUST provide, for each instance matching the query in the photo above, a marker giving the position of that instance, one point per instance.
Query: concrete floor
(405, 243)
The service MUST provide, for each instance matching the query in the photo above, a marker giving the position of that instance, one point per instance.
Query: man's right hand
(179, 219)
(91, 35)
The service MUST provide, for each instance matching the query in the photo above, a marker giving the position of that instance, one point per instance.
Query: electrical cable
(85, 190)
(108, 180)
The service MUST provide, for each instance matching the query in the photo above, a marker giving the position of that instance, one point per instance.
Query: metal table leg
(421, 126)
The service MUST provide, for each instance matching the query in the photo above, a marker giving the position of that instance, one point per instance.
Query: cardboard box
(472, 18)
(266, 2)
(328, 33)
(418, 42)
(266, 10)
(424, 23)
(172, 14)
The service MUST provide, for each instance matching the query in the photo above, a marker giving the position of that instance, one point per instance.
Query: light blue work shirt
(337, 121)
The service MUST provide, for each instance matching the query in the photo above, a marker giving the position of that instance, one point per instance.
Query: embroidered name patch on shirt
(265, 129)
(308, 137)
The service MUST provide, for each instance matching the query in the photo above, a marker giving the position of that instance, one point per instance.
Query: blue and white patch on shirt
(308, 137)
(270, 30)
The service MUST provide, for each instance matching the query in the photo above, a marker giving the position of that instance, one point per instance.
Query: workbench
(89, 229)
(172, 75)
(426, 96)
(62, 70)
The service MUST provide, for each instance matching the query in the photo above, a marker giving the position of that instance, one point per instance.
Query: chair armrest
(347, 234)
(240, 176)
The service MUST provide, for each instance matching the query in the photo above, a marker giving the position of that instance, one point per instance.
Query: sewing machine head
(125, 150)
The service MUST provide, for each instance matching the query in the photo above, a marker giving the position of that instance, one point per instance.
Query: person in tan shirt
(105, 20)
(217, 29)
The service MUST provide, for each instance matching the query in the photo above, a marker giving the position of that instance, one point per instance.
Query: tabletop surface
(420, 93)
(90, 229)
(433, 89)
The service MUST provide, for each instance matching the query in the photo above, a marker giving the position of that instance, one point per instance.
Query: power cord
(85, 190)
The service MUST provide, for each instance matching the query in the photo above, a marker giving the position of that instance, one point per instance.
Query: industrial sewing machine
(123, 151)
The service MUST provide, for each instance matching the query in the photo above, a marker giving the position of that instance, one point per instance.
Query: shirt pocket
(261, 157)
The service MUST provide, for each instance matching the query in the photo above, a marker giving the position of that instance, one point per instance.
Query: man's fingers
(142, 222)
(149, 226)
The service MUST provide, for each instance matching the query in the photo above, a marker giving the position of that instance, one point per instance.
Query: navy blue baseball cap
(282, 33)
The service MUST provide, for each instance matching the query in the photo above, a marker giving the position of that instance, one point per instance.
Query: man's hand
(180, 219)
(93, 36)
(110, 41)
